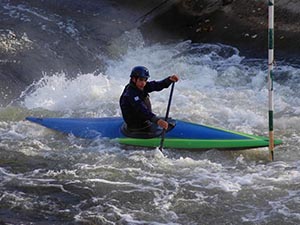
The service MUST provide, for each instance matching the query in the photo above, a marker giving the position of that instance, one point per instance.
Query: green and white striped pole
(270, 77)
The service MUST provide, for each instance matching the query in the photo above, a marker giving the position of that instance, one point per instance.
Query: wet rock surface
(240, 23)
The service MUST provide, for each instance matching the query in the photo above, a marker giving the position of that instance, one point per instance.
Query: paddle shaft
(166, 117)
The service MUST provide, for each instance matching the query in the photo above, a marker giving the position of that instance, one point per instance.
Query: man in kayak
(135, 101)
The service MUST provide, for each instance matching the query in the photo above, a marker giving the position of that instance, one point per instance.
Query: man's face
(140, 82)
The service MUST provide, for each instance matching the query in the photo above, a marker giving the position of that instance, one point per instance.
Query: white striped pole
(270, 78)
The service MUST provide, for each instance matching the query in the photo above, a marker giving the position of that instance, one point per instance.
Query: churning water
(50, 178)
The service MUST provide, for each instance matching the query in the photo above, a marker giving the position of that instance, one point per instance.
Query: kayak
(182, 135)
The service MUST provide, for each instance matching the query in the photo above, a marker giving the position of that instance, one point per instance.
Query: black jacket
(136, 106)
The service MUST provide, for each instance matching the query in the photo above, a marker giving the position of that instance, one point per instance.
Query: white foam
(86, 92)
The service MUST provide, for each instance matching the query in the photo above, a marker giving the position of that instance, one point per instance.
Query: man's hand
(174, 78)
(163, 124)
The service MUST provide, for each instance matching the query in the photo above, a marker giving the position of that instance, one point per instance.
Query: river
(50, 178)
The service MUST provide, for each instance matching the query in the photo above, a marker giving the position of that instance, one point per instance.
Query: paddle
(166, 118)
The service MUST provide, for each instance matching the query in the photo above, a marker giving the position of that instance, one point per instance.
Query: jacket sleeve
(157, 85)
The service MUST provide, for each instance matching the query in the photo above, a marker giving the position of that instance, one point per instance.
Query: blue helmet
(140, 72)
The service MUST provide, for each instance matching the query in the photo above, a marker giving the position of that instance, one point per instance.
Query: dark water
(72, 58)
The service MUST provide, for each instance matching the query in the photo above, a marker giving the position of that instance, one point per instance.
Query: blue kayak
(182, 135)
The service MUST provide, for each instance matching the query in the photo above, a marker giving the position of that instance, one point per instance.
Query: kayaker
(135, 100)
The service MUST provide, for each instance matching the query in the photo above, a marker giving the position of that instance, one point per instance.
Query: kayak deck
(184, 135)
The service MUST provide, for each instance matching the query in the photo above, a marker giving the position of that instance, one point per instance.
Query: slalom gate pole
(270, 77)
